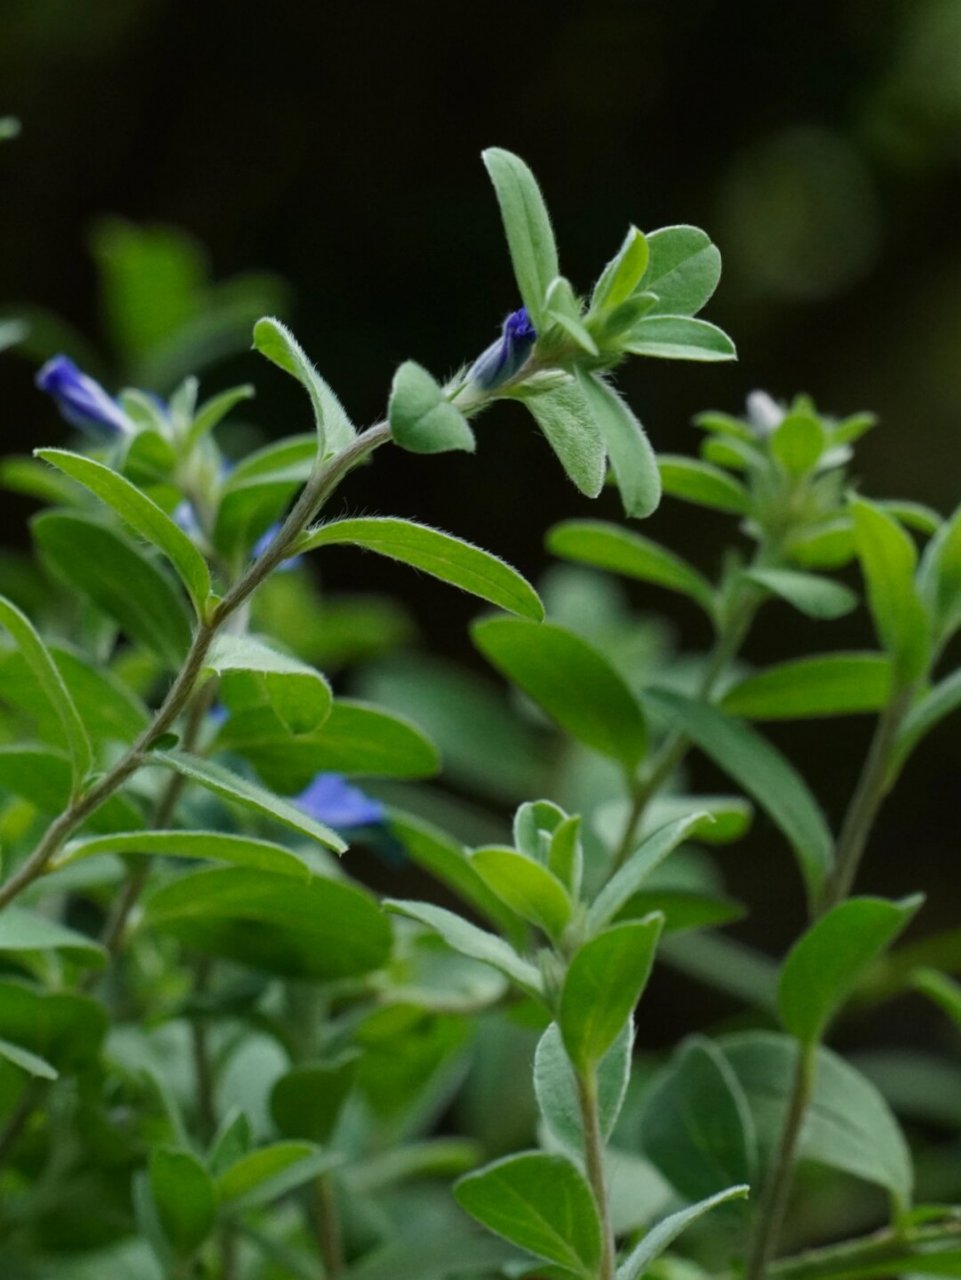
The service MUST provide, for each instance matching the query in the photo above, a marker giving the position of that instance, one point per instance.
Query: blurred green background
(335, 145)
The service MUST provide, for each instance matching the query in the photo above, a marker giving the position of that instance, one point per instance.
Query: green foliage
(541, 1203)
(221, 1052)
(451, 559)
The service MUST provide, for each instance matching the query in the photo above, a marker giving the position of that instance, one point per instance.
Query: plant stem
(327, 1232)
(318, 488)
(872, 786)
(203, 1067)
(778, 1186)
(675, 746)
(594, 1164)
(884, 1253)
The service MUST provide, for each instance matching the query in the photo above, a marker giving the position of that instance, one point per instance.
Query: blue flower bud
(332, 800)
(82, 400)
(504, 358)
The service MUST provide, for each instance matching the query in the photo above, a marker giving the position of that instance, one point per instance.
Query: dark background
(337, 145)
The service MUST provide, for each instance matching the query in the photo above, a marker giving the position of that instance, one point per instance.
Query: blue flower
(332, 800)
(185, 517)
(505, 357)
(82, 400)
(264, 541)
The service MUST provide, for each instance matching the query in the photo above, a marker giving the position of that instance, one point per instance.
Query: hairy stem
(594, 1164)
(777, 1189)
(872, 786)
(884, 1253)
(675, 746)
(318, 488)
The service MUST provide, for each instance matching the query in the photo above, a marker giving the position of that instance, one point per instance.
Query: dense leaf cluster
(220, 1055)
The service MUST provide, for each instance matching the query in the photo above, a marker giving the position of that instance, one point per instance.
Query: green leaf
(119, 578)
(422, 419)
(52, 683)
(258, 489)
(572, 681)
(35, 1066)
(24, 930)
(262, 1176)
(564, 309)
(142, 515)
(696, 1125)
(306, 1102)
(888, 560)
(565, 855)
(939, 577)
(724, 818)
(11, 331)
(239, 851)
(466, 938)
(661, 1236)
(824, 965)
(848, 1125)
(607, 546)
(58, 1027)
(299, 695)
(323, 929)
(566, 419)
(441, 554)
(275, 341)
(827, 544)
(184, 1195)
(830, 684)
(44, 777)
(623, 273)
(541, 1203)
(214, 410)
(699, 482)
(556, 1085)
(678, 338)
(526, 887)
(444, 858)
(763, 773)
(527, 227)
(938, 987)
(816, 597)
(230, 786)
(683, 271)
(632, 458)
(604, 982)
(649, 855)
(798, 442)
(355, 739)
(940, 701)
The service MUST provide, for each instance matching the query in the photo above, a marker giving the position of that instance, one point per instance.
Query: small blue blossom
(185, 517)
(505, 357)
(82, 400)
(332, 800)
(264, 541)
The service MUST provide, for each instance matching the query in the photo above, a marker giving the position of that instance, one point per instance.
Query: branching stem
(594, 1164)
(317, 490)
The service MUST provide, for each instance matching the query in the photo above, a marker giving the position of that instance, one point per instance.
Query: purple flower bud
(505, 357)
(332, 800)
(82, 400)
(264, 541)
